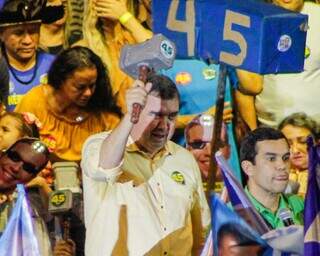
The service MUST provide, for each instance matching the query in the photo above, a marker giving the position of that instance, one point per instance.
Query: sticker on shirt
(183, 78)
(50, 141)
(307, 52)
(44, 79)
(14, 99)
(209, 73)
(178, 177)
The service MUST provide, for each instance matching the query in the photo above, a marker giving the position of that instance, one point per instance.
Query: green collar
(262, 209)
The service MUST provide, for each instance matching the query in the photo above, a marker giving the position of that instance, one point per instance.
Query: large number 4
(235, 36)
(185, 26)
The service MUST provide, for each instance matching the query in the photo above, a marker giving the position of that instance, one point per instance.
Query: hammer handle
(136, 107)
(66, 228)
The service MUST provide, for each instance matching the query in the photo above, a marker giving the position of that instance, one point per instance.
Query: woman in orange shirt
(76, 103)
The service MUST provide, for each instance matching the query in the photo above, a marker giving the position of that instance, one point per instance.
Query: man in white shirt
(143, 193)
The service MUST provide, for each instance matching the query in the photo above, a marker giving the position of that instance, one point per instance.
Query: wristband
(125, 17)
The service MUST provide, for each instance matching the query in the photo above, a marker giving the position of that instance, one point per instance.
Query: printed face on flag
(229, 245)
(198, 138)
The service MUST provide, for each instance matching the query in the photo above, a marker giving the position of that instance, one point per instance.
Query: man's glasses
(15, 157)
(199, 144)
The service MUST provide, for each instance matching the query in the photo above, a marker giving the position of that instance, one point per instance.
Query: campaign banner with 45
(246, 34)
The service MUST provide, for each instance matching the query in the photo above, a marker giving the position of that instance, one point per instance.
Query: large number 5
(235, 36)
(185, 26)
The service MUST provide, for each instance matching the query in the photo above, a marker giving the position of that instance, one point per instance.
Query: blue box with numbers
(246, 34)
(255, 36)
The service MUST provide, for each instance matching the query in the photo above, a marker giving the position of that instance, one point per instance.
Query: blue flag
(231, 234)
(312, 203)
(239, 199)
(226, 224)
(19, 239)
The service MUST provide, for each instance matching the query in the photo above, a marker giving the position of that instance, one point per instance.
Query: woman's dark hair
(77, 58)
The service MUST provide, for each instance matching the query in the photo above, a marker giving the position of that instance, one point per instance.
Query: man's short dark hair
(248, 150)
(164, 87)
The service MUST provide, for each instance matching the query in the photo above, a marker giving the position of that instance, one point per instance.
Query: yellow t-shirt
(64, 137)
(120, 81)
(302, 178)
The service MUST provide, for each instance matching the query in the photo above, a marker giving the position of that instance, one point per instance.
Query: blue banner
(250, 35)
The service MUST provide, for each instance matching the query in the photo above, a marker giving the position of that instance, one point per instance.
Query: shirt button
(161, 206)
(164, 229)
(158, 183)
(165, 253)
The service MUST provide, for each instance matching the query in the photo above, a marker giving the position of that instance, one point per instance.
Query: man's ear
(247, 167)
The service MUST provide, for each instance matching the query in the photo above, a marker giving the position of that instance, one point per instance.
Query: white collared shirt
(155, 209)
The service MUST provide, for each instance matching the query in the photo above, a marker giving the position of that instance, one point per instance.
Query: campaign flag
(18, 239)
(286, 241)
(239, 199)
(312, 203)
(208, 246)
(225, 222)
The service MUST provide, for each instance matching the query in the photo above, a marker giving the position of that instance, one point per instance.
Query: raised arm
(117, 10)
(249, 83)
(113, 147)
(247, 109)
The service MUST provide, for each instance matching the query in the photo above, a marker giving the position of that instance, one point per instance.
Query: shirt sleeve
(31, 101)
(90, 160)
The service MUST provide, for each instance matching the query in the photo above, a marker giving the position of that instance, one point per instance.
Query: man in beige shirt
(143, 193)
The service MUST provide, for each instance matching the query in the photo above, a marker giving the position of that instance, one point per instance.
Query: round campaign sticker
(183, 78)
(58, 199)
(167, 49)
(178, 177)
(284, 43)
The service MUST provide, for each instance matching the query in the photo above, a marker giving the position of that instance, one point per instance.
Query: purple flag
(19, 239)
(312, 203)
(239, 199)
